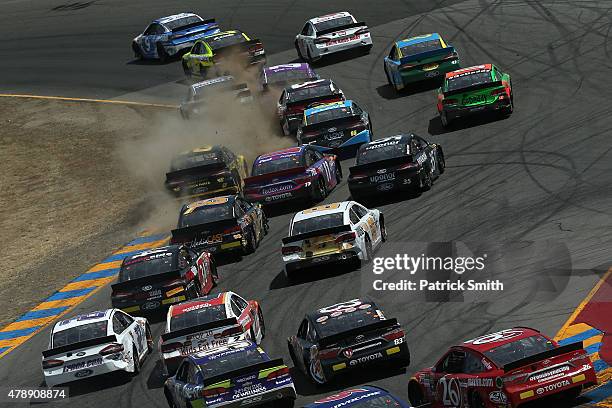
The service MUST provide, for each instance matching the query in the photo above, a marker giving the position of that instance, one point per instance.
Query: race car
(212, 50)
(220, 90)
(346, 336)
(295, 173)
(330, 34)
(474, 90)
(296, 98)
(367, 396)
(508, 368)
(419, 58)
(396, 163)
(154, 279)
(169, 36)
(332, 233)
(339, 127)
(206, 172)
(95, 343)
(208, 322)
(221, 225)
(240, 374)
(281, 76)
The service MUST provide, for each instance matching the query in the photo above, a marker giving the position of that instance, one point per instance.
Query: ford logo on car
(83, 373)
(146, 288)
(332, 129)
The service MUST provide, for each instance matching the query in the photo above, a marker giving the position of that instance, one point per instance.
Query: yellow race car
(209, 171)
(213, 50)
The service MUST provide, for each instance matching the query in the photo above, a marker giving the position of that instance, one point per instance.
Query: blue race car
(418, 59)
(366, 396)
(338, 127)
(171, 35)
(237, 375)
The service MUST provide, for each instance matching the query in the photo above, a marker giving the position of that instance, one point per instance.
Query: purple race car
(295, 173)
(280, 76)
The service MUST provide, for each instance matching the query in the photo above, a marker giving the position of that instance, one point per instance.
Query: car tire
(415, 394)
(426, 182)
(262, 324)
(338, 172)
(383, 230)
(444, 119)
(441, 162)
(299, 52)
(320, 191)
(389, 78)
(137, 51)
(169, 400)
(510, 109)
(292, 355)
(476, 400)
(149, 338)
(162, 55)
(249, 245)
(136, 362)
(369, 249)
(186, 69)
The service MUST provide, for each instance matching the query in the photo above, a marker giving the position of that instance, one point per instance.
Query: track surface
(543, 174)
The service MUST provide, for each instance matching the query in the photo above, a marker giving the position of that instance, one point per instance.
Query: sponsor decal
(385, 187)
(347, 394)
(150, 305)
(245, 380)
(382, 177)
(366, 359)
(82, 364)
(147, 288)
(80, 354)
(480, 382)
(498, 397)
(552, 387)
(276, 189)
(196, 307)
(549, 374)
(249, 391)
(278, 197)
(334, 135)
(348, 353)
(83, 373)
(322, 319)
(486, 363)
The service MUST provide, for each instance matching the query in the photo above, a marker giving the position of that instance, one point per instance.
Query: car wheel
(369, 250)
(248, 245)
(186, 70)
(292, 355)
(162, 55)
(444, 119)
(338, 173)
(383, 230)
(415, 394)
(388, 77)
(441, 163)
(508, 111)
(282, 128)
(137, 51)
(426, 182)
(169, 399)
(136, 362)
(476, 400)
(262, 324)
(299, 52)
(149, 338)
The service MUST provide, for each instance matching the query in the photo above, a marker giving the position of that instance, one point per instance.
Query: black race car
(154, 279)
(206, 172)
(346, 336)
(396, 163)
(294, 100)
(227, 224)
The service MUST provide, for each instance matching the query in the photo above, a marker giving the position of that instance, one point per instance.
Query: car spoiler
(240, 46)
(146, 280)
(281, 173)
(339, 123)
(382, 163)
(476, 87)
(429, 54)
(201, 327)
(327, 98)
(244, 370)
(340, 28)
(334, 338)
(79, 345)
(209, 228)
(568, 348)
(317, 233)
(196, 24)
(173, 175)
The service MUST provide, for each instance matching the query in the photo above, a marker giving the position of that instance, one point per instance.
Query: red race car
(503, 369)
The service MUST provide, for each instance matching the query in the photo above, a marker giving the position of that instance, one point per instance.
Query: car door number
(451, 395)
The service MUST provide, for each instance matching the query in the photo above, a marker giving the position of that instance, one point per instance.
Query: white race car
(207, 323)
(338, 232)
(332, 33)
(96, 343)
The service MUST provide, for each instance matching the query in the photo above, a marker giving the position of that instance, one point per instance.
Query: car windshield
(148, 265)
(226, 362)
(308, 92)
(221, 41)
(467, 80)
(374, 153)
(418, 48)
(207, 214)
(79, 333)
(186, 161)
(318, 223)
(287, 75)
(334, 23)
(197, 316)
(182, 22)
(277, 164)
(346, 321)
(329, 114)
(519, 349)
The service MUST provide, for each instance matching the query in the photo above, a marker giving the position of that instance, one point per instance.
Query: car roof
(152, 251)
(385, 141)
(201, 149)
(492, 340)
(220, 200)
(328, 106)
(324, 209)
(199, 303)
(211, 82)
(303, 66)
(237, 347)
(225, 33)
(418, 39)
(310, 84)
(469, 70)
(326, 311)
(82, 319)
(279, 154)
(348, 397)
(173, 17)
(331, 16)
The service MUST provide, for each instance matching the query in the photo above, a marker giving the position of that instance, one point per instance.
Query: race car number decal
(495, 337)
(451, 395)
(210, 201)
(344, 307)
(333, 206)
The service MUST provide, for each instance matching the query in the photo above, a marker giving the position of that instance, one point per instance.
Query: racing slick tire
(149, 338)
(415, 394)
(338, 172)
(426, 183)
(137, 51)
(383, 230)
(441, 162)
(162, 55)
(476, 400)
(186, 69)
(292, 355)
(319, 191)
(446, 122)
(508, 111)
(369, 249)
(262, 323)
(299, 52)
(136, 362)
(169, 400)
(391, 84)
(249, 245)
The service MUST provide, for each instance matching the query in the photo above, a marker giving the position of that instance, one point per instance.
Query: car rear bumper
(459, 112)
(107, 366)
(145, 306)
(401, 183)
(280, 393)
(315, 261)
(363, 42)
(521, 395)
(350, 146)
(420, 74)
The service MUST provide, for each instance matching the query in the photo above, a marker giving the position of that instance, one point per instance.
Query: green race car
(474, 90)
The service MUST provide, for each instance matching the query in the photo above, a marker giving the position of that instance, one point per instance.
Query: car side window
(353, 216)
(361, 212)
(182, 372)
(303, 330)
(128, 320)
(150, 30)
(305, 29)
(118, 325)
(235, 308)
(318, 155)
(357, 109)
(310, 29)
(242, 304)
(393, 53)
(422, 142)
(311, 336)
(473, 365)
(454, 362)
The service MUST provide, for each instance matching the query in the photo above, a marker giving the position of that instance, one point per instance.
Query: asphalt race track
(541, 175)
